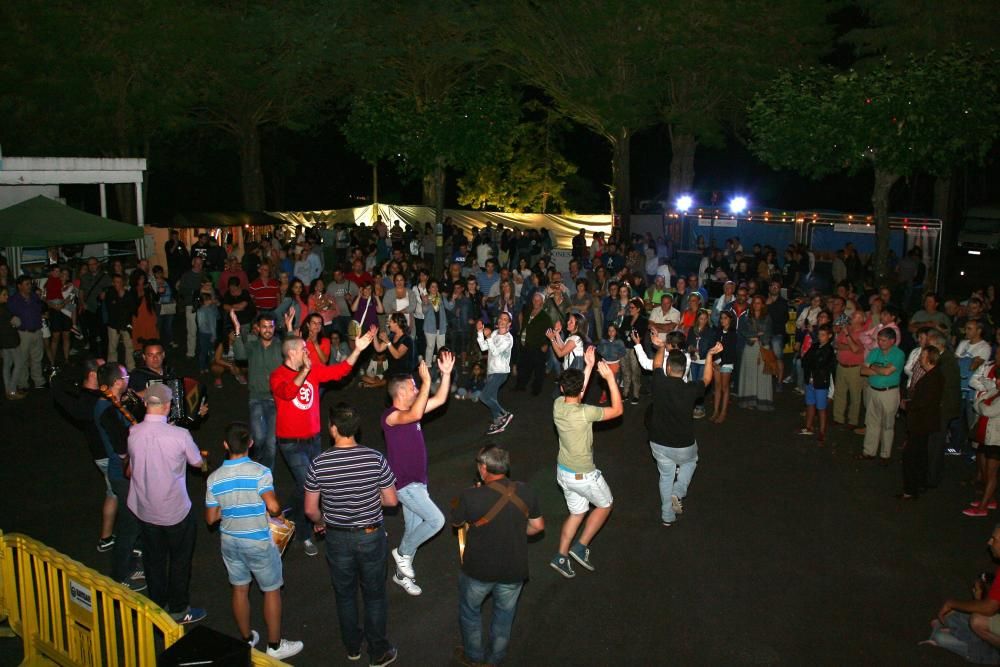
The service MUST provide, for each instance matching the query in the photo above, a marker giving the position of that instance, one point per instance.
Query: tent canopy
(41, 222)
(214, 220)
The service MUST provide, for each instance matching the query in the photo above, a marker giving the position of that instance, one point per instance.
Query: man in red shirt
(358, 275)
(850, 355)
(264, 290)
(233, 270)
(295, 387)
(983, 617)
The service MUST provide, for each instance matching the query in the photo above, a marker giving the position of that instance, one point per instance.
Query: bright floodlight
(738, 204)
(684, 203)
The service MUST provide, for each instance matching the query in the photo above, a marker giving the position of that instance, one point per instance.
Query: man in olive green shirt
(581, 481)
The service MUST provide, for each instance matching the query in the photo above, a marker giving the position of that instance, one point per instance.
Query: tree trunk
(251, 171)
(884, 180)
(620, 148)
(949, 229)
(430, 185)
(438, 177)
(683, 147)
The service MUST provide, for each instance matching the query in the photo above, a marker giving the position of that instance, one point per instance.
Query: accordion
(188, 396)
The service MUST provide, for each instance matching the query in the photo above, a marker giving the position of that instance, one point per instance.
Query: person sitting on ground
(971, 628)
(374, 375)
(225, 360)
(473, 383)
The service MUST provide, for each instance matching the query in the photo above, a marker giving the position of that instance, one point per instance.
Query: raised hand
(656, 341)
(636, 338)
(716, 349)
(235, 320)
(605, 371)
(424, 372)
(361, 342)
(479, 325)
(306, 361)
(446, 362)
(487, 332)
(590, 356)
(289, 319)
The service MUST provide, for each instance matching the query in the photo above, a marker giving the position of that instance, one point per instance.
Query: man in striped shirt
(346, 488)
(241, 494)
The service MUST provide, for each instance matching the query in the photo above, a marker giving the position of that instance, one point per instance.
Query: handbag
(354, 327)
(168, 308)
(770, 361)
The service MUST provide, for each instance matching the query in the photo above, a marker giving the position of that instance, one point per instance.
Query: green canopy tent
(42, 222)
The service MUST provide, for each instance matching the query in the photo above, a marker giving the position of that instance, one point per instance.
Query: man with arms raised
(581, 481)
(407, 453)
(295, 387)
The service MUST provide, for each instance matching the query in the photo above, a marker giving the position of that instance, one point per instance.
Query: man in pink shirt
(160, 454)
(233, 270)
(850, 356)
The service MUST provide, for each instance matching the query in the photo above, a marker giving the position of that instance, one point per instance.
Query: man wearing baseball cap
(160, 453)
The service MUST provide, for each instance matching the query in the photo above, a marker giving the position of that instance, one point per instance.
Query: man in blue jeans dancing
(500, 515)
(671, 426)
(407, 453)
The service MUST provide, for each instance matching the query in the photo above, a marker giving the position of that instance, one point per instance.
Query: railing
(69, 614)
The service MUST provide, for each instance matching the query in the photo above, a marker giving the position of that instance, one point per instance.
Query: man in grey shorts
(581, 481)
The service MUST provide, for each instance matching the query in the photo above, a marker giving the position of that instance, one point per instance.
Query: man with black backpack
(498, 516)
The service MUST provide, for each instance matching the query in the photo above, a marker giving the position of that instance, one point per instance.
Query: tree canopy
(926, 114)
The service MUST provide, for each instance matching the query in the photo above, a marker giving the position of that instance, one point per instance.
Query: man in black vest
(500, 515)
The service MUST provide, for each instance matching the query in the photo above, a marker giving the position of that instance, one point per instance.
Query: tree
(463, 129)
(599, 62)
(530, 174)
(263, 63)
(719, 53)
(97, 77)
(931, 114)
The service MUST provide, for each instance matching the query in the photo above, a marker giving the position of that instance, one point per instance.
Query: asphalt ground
(787, 553)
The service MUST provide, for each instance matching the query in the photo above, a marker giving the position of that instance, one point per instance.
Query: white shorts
(583, 490)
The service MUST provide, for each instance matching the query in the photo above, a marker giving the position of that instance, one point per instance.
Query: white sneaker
(286, 649)
(404, 564)
(310, 548)
(254, 638)
(676, 505)
(408, 585)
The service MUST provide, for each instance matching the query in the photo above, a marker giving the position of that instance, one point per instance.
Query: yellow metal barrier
(69, 614)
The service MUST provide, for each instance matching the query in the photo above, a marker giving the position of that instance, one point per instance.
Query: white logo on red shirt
(304, 400)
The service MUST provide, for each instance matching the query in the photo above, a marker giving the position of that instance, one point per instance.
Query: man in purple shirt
(407, 455)
(27, 307)
(160, 453)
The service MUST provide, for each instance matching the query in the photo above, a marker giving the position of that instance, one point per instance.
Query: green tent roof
(41, 222)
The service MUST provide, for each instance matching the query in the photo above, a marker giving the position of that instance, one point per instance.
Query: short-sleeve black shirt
(498, 551)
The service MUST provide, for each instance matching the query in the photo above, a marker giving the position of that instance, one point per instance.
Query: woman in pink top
(323, 305)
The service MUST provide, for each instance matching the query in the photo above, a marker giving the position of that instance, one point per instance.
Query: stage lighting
(684, 203)
(738, 204)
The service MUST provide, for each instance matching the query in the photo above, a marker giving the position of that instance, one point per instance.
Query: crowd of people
(295, 315)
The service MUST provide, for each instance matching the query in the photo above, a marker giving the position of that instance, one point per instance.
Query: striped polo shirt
(237, 488)
(349, 481)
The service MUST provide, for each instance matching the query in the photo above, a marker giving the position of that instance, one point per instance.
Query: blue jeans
(205, 350)
(668, 460)
(697, 372)
(488, 396)
(359, 557)
(422, 517)
(298, 455)
(262, 424)
(165, 325)
(471, 595)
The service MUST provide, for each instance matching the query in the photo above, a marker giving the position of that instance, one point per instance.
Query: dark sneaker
(581, 554)
(386, 658)
(507, 419)
(191, 615)
(354, 655)
(105, 543)
(495, 427)
(562, 565)
(136, 585)
(635, 400)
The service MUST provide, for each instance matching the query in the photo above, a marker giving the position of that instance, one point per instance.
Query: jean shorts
(816, 397)
(252, 559)
(583, 490)
(102, 465)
